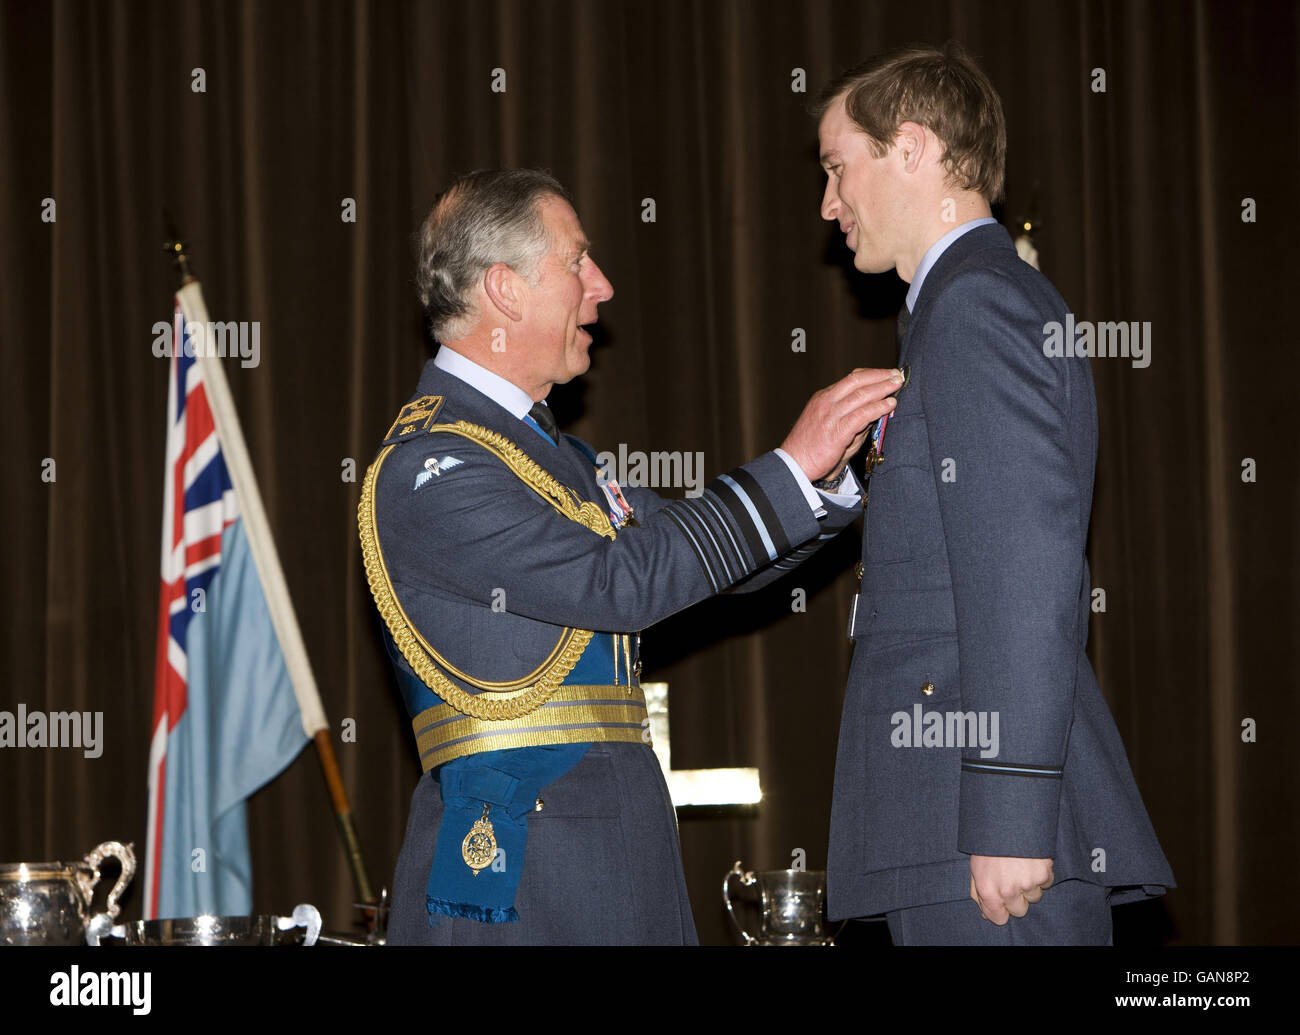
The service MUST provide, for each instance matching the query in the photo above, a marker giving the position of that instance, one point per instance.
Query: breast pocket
(898, 489)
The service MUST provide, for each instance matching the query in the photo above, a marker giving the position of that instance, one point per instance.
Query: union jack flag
(225, 716)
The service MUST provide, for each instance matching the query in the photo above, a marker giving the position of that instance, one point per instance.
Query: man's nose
(830, 200)
(598, 286)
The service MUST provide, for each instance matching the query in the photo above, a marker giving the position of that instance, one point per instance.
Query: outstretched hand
(834, 424)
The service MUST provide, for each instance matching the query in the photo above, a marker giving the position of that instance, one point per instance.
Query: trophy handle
(306, 916)
(124, 854)
(747, 879)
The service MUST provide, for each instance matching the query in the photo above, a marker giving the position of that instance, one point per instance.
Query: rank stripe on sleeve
(743, 520)
(696, 547)
(710, 502)
(694, 514)
(751, 508)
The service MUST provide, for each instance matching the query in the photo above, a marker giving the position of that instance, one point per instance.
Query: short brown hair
(940, 89)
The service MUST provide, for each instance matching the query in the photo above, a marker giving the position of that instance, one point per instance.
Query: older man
(513, 578)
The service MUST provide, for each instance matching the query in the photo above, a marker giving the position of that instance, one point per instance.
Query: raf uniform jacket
(603, 861)
(975, 598)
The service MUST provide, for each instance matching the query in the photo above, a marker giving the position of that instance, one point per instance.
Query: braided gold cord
(488, 705)
(564, 499)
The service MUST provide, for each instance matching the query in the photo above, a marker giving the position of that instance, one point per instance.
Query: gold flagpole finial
(175, 247)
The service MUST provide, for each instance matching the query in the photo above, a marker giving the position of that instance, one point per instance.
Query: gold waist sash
(571, 715)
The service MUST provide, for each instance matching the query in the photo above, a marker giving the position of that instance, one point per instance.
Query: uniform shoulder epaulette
(416, 416)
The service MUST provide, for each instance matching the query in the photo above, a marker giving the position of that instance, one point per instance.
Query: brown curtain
(1140, 191)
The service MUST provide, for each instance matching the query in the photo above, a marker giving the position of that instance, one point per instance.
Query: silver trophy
(45, 903)
(790, 905)
(302, 928)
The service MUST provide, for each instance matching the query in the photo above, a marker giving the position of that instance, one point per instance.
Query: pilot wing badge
(434, 468)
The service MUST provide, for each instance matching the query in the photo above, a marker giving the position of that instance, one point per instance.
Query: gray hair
(485, 217)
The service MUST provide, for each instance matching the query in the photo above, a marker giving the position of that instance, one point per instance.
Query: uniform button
(927, 689)
(539, 806)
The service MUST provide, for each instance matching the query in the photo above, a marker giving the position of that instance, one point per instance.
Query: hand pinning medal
(876, 454)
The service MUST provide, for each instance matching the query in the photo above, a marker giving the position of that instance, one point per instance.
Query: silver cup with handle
(45, 903)
(791, 905)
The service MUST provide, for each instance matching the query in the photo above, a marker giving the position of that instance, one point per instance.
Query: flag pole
(262, 547)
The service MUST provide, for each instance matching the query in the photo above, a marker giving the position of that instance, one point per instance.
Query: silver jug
(790, 906)
(45, 903)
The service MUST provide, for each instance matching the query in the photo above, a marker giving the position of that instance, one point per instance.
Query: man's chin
(575, 370)
(866, 264)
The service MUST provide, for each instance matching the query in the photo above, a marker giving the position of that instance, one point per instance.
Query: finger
(992, 909)
(864, 378)
(868, 375)
(865, 392)
(1033, 895)
(974, 894)
(859, 440)
(1018, 906)
(860, 418)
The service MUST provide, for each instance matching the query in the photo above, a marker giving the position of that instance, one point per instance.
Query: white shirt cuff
(809, 493)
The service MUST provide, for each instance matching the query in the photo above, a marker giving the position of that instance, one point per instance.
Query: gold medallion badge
(480, 845)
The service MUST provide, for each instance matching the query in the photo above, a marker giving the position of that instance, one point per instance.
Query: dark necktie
(545, 420)
(904, 318)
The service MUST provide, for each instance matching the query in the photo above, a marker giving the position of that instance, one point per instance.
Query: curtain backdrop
(1140, 192)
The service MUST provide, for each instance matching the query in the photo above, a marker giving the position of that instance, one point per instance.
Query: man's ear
(913, 143)
(504, 288)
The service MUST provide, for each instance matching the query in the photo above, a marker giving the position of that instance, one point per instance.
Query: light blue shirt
(932, 256)
(510, 396)
(504, 393)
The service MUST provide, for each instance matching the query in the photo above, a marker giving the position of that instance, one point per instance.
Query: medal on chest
(876, 452)
(620, 510)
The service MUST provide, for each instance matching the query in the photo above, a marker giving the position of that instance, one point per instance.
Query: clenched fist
(1004, 887)
(834, 424)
